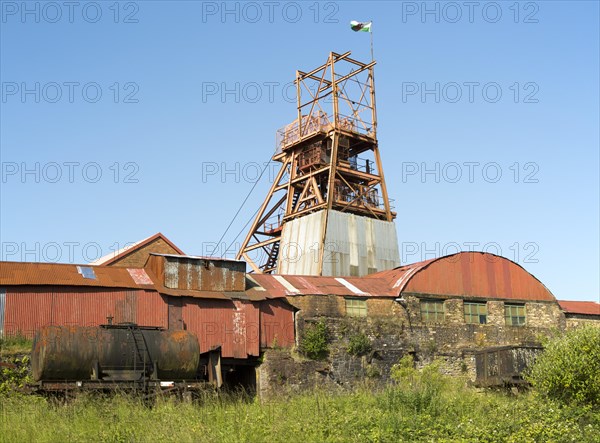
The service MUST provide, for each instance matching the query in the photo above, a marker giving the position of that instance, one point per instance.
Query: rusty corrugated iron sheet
(51, 274)
(28, 309)
(276, 324)
(232, 325)
(468, 274)
(398, 277)
(580, 307)
(218, 295)
(198, 273)
(277, 286)
(58, 274)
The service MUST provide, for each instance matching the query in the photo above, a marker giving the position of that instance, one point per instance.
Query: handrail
(320, 122)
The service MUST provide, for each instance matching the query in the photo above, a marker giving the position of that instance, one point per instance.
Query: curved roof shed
(468, 274)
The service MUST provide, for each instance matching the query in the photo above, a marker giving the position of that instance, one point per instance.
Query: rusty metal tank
(113, 352)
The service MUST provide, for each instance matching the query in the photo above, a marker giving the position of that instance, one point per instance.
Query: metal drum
(113, 352)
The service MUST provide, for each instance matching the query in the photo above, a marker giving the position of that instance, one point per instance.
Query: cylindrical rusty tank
(113, 352)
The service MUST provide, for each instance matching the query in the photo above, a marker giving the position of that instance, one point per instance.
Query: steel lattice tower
(331, 180)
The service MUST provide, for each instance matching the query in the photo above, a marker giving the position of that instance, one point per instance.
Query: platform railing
(319, 122)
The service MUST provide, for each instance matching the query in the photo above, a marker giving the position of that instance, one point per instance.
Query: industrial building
(453, 307)
(330, 198)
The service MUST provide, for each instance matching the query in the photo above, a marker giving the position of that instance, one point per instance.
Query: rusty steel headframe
(321, 170)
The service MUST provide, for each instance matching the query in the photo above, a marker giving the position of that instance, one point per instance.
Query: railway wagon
(122, 356)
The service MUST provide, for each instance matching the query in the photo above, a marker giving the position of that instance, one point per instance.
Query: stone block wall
(394, 330)
(577, 321)
(285, 370)
(545, 315)
(317, 306)
(137, 258)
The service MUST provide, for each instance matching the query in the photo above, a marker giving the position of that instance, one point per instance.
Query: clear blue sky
(165, 123)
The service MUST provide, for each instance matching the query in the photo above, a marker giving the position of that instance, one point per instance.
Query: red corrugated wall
(232, 324)
(238, 327)
(30, 308)
(276, 324)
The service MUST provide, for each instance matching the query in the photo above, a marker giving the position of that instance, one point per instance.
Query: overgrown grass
(433, 408)
(15, 344)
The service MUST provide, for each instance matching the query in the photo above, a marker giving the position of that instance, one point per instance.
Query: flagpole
(372, 56)
(364, 26)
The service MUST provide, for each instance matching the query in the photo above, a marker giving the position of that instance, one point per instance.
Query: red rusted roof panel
(277, 286)
(471, 274)
(580, 307)
(58, 274)
(52, 274)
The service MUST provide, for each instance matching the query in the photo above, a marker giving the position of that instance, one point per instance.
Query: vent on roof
(86, 272)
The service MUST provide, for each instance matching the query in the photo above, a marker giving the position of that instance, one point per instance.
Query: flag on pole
(360, 26)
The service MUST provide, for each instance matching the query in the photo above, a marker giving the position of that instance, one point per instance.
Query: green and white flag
(360, 26)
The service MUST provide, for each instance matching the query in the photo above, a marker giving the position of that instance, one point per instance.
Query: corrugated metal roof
(58, 274)
(399, 277)
(276, 286)
(580, 307)
(131, 248)
(470, 274)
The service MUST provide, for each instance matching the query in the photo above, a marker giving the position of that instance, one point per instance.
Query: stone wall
(285, 370)
(577, 321)
(137, 258)
(394, 330)
(322, 305)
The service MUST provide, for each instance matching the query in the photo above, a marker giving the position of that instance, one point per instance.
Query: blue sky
(119, 120)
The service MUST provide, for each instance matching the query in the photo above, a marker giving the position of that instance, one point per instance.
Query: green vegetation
(14, 373)
(422, 406)
(15, 344)
(14, 362)
(569, 368)
(314, 341)
(359, 344)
